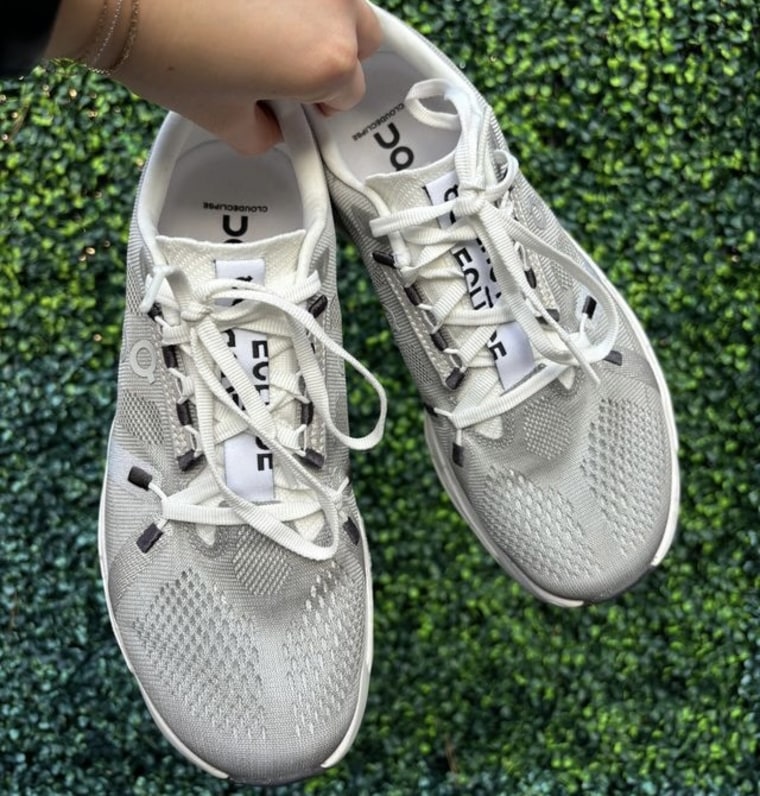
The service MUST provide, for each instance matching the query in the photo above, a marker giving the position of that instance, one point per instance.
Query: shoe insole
(219, 196)
(380, 135)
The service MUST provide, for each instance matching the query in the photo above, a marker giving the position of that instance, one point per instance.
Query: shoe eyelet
(188, 460)
(170, 356)
(183, 413)
(589, 307)
(351, 528)
(413, 295)
(307, 413)
(455, 378)
(149, 537)
(383, 258)
(312, 458)
(318, 306)
(552, 313)
(139, 477)
(439, 341)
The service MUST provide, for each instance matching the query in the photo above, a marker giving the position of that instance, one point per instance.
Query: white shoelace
(484, 210)
(202, 319)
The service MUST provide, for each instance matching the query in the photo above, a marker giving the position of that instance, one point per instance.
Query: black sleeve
(24, 34)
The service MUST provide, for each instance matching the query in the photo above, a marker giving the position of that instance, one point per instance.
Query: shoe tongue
(435, 184)
(273, 259)
(415, 187)
(248, 463)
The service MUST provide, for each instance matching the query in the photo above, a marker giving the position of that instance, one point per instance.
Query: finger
(249, 130)
(350, 93)
(369, 34)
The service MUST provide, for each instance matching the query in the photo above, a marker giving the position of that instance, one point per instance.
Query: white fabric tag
(509, 345)
(248, 462)
(251, 271)
(512, 353)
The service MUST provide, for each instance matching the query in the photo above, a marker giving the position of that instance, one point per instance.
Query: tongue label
(248, 462)
(444, 189)
(509, 345)
(512, 353)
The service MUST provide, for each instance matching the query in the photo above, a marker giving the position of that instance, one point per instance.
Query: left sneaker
(548, 416)
(233, 554)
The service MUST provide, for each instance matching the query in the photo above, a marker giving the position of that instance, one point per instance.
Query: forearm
(78, 23)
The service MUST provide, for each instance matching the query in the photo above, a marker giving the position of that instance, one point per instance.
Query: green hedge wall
(638, 122)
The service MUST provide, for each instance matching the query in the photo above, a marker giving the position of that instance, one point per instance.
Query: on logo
(401, 156)
(235, 234)
(142, 360)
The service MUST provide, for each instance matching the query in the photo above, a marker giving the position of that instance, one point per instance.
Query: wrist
(75, 25)
(105, 42)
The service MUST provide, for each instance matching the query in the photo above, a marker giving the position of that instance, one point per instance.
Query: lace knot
(195, 312)
(471, 200)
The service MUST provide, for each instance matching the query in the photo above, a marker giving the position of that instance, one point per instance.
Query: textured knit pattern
(330, 623)
(187, 630)
(536, 525)
(547, 433)
(621, 466)
(261, 565)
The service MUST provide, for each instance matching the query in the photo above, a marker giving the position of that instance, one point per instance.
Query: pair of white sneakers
(234, 556)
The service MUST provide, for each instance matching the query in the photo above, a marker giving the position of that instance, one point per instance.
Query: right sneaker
(233, 555)
(548, 416)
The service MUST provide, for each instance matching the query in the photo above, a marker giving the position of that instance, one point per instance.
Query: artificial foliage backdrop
(638, 122)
